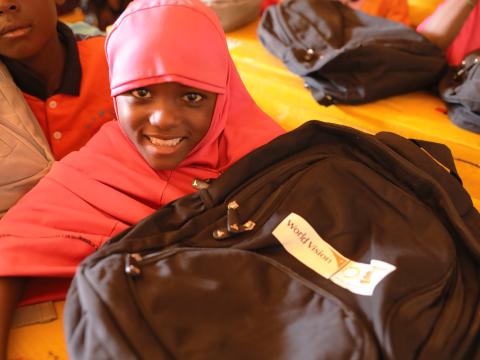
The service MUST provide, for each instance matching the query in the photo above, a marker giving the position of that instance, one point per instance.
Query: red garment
(467, 40)
(93, 194)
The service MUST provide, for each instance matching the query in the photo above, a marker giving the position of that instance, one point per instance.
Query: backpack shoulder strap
(441, 154)
(434, 159)
(437, 161)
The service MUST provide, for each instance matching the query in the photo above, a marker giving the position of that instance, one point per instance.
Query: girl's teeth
(161, 142)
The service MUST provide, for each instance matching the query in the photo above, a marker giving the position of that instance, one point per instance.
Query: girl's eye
(193, 98)
(141, 93)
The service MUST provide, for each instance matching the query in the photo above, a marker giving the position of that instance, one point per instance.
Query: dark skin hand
(11, 290)
(445, 24)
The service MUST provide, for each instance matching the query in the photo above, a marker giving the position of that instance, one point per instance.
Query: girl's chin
(163, 160)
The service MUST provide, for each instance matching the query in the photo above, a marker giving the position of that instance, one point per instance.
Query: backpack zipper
(234, 226)
(370, 345)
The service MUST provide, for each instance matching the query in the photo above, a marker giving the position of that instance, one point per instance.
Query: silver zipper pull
(233, 222)
(132, 267)
(199, 184)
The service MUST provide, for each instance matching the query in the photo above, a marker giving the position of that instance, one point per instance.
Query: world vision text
(305, 240)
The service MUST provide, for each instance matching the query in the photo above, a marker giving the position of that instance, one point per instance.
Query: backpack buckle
(132, 266)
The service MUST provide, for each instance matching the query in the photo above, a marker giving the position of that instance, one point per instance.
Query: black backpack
(326, 243)
(460, 89)
(346, 56)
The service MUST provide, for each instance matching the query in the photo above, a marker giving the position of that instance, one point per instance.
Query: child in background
(396, 10)
(183, 114)
(64, 83)
(102, 13)
(455, 27)
(67, 7)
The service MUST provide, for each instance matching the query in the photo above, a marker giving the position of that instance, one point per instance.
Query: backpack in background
(346, 56)
(326, 243)
(460, 89)
(234, 14)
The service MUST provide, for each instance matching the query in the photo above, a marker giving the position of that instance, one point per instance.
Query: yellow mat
(40, 341)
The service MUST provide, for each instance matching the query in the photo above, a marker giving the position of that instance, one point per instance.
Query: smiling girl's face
(165, 121)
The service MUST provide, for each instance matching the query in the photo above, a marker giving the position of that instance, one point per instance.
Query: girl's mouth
(165, 142)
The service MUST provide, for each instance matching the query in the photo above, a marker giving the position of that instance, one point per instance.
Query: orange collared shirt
(69, 121)
(74, 113)
(396, 10)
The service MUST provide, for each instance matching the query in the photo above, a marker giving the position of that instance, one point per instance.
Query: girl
(183, 114)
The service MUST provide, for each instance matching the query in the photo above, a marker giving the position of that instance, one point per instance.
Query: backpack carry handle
(441, 154)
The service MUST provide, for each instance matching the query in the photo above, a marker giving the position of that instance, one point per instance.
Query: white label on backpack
(362, 278)
(301, 240)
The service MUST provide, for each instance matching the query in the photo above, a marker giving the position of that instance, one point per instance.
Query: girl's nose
(160, 118)
(9, 6)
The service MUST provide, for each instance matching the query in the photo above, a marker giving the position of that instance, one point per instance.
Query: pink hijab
(93, 194)
(183, 41)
